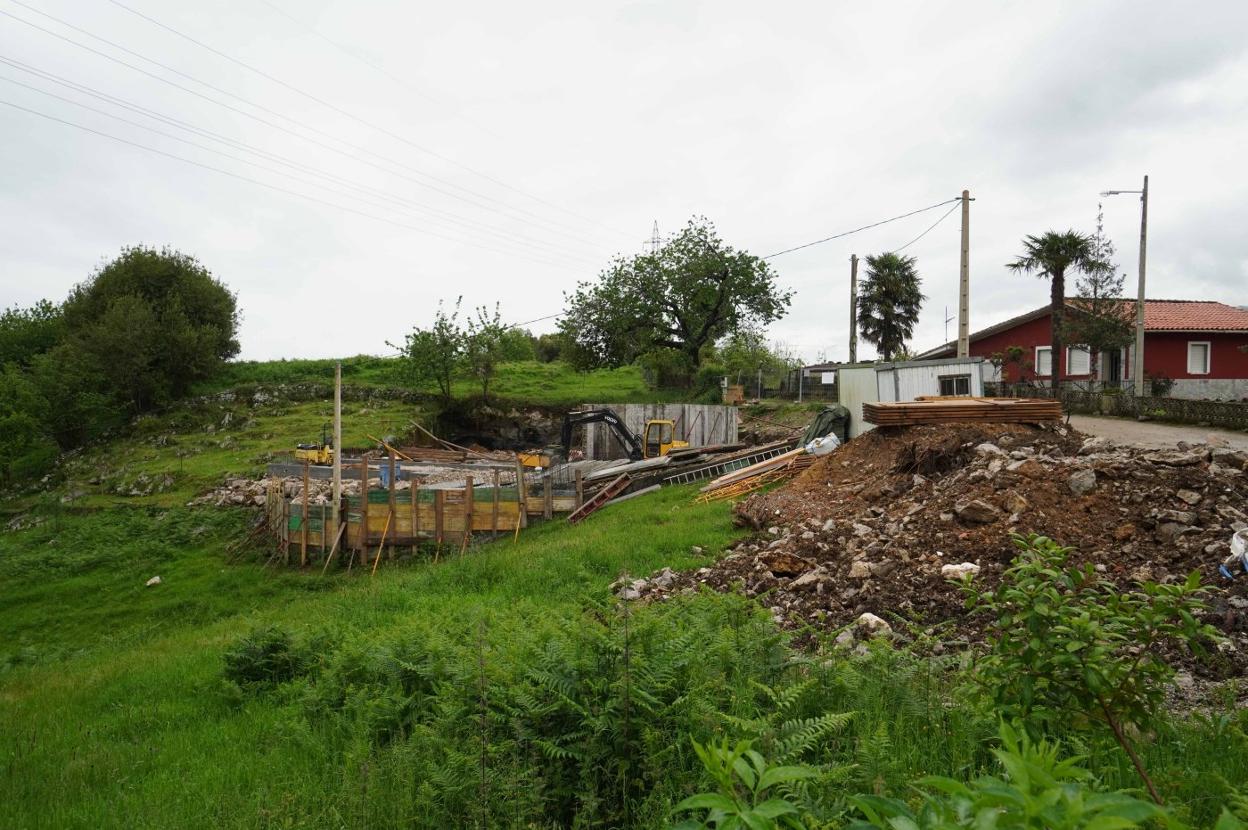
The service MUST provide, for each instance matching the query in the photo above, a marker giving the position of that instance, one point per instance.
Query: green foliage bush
(1067, 646)
(264, 657)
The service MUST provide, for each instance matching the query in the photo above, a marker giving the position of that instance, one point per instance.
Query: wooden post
(494, 505)
(580, 487)
(393, 503)
(377, 556)
(362, 542)
(415, 511)
(469, 497)
(548, 497)
(337, 489)
(323, 530)
(303, 539)
(439, 499)
(521, 488)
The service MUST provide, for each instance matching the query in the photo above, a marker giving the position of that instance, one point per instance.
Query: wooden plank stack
(739, 482)
(961, 410)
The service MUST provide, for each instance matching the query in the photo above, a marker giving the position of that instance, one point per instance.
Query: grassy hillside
(114, 712)
(540, 384)
(499, 688)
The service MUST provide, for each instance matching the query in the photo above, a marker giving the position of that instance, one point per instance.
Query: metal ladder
(615, 488)
(716, 470)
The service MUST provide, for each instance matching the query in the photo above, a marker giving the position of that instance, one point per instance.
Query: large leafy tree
(888, 303)
(1050, 257)
(153, 322)
(691, 292)
(434, 355)
(27, 332)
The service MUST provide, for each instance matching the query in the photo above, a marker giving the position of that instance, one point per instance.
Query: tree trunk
(1057, 304)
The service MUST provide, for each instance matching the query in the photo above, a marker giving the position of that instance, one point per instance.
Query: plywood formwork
(384, 519)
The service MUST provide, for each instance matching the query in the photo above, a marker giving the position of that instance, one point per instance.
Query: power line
(267, 185)
(379, 68)
(351, 155)
(925, 233)
(347, 113)
(863, 228)
(508, 239)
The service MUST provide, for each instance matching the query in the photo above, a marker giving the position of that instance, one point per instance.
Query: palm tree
(889, 302)
(1051, 256)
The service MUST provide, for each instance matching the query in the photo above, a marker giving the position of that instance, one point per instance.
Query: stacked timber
(748, 479)
(949, 410)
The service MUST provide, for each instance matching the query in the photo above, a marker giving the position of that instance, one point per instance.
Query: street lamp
(1137, 369)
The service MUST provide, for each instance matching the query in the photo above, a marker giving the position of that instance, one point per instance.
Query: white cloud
(782, 123)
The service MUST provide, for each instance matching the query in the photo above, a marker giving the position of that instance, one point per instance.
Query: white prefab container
(861, 383)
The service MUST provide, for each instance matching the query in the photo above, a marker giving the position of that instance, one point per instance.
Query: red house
(1199, 344)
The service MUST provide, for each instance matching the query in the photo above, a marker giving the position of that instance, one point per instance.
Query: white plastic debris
(153, 581)
(823, 446)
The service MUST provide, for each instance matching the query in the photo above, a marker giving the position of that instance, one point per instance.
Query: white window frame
(954, 380)
(1036, 362)
(1070, 350)
(1208, 356)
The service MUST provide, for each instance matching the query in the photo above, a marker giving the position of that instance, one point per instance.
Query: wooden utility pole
(964, 292)
(853, 308)
(1138, 367)
(337, 496)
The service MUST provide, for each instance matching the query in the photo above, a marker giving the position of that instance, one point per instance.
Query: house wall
(1165, 353)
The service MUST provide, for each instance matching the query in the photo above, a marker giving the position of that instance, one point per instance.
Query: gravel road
(1154, 434)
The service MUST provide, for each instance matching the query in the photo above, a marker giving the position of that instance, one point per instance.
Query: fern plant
(743, 799)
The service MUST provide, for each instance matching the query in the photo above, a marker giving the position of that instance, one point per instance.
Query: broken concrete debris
(887, 525)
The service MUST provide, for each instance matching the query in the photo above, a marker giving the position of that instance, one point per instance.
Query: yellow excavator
(657, 440)
(322, 453)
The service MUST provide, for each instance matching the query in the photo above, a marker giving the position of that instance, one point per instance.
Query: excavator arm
(631, 442)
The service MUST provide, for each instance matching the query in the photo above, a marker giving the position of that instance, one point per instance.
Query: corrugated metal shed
(902, 381)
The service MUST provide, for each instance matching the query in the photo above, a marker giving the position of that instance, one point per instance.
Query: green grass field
(113, 713)
(530, 382)
(501, 688)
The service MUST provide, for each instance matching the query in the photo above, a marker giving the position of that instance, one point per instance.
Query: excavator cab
(660, 438)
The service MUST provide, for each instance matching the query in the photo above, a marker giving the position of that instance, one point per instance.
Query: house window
(1198, 357)
(1078, 361)
(955, 384)
(1044, 361)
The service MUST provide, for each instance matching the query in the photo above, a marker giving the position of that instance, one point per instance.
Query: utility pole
(1139, 303)
(964, 292)
(853, 308)
(338, 445)
(1137, 362)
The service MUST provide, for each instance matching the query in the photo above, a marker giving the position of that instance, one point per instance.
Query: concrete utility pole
(338, 443)
(1137, 362)
(853, 308)
(964, 291)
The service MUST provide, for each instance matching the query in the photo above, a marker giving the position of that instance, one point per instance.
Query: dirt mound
(873, 524)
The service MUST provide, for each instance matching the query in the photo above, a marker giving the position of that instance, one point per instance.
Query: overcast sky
(504, 151)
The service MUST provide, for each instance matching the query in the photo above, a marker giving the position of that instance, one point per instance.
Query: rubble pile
(884, 525)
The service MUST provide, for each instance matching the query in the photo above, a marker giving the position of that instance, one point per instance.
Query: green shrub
(1037, 789)
(1069, 647)
(264, 657)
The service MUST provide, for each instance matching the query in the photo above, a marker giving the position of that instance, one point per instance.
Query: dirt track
(1153, 434)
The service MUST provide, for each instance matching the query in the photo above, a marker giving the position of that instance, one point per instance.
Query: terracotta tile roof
(1159, 315)
(1193, 315)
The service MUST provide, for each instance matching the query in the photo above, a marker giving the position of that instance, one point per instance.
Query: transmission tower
(655, 242)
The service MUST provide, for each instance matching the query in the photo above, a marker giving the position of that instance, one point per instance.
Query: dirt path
(1152, 433)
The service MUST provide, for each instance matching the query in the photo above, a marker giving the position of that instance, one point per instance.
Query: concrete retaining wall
(699, 424)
